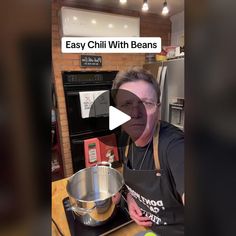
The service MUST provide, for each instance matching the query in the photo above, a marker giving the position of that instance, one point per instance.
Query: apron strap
(155, 147)
(127, 148)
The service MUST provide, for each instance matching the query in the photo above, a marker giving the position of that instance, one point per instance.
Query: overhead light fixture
(123, 1)
(93, 21)
(145, 5)
(165, 9)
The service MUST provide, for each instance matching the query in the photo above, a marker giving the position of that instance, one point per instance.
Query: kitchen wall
(69, 62)
(177, 29)
(152, 25)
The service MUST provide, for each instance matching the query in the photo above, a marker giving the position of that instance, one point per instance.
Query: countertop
(58, 214)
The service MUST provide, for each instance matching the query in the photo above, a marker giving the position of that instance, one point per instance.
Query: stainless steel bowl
(91, 190)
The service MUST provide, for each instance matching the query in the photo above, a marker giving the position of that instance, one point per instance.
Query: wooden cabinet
(56, 156)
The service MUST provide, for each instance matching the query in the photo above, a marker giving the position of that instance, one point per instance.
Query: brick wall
(62, 62)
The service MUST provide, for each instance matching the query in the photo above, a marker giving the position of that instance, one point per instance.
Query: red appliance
(108, 148)
(100, 149)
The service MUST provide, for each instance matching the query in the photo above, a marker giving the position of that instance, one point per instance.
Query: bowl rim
(92, 167)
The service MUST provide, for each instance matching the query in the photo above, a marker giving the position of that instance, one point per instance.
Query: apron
(152, 192)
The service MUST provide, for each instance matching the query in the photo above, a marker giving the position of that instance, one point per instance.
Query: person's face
(143, 116)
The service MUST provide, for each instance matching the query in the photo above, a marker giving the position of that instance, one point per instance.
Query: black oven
(80, 129)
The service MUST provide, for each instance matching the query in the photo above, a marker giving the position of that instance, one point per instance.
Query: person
(153, 159)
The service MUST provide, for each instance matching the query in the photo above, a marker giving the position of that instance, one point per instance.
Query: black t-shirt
(171, 155)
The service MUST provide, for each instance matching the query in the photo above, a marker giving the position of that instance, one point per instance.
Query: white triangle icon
(116, 118)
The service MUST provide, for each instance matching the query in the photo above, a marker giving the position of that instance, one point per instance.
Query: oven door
(79, 125)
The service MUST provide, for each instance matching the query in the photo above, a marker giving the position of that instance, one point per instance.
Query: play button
(117, 112)
(117, 118)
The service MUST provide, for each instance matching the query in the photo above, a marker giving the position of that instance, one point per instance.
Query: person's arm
(175, 157)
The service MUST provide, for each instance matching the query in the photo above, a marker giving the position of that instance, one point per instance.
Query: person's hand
(116, 198)
(136, 214)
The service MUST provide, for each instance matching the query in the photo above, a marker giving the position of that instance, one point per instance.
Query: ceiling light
(93, 21)
(125, 26)
(75, 18)
(145, 5)
(110, 26)
(165, 9)
(123, 1)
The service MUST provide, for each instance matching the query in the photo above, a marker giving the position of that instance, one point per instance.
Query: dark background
(210, 85)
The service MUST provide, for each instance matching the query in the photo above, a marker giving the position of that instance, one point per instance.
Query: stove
(120, 219)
